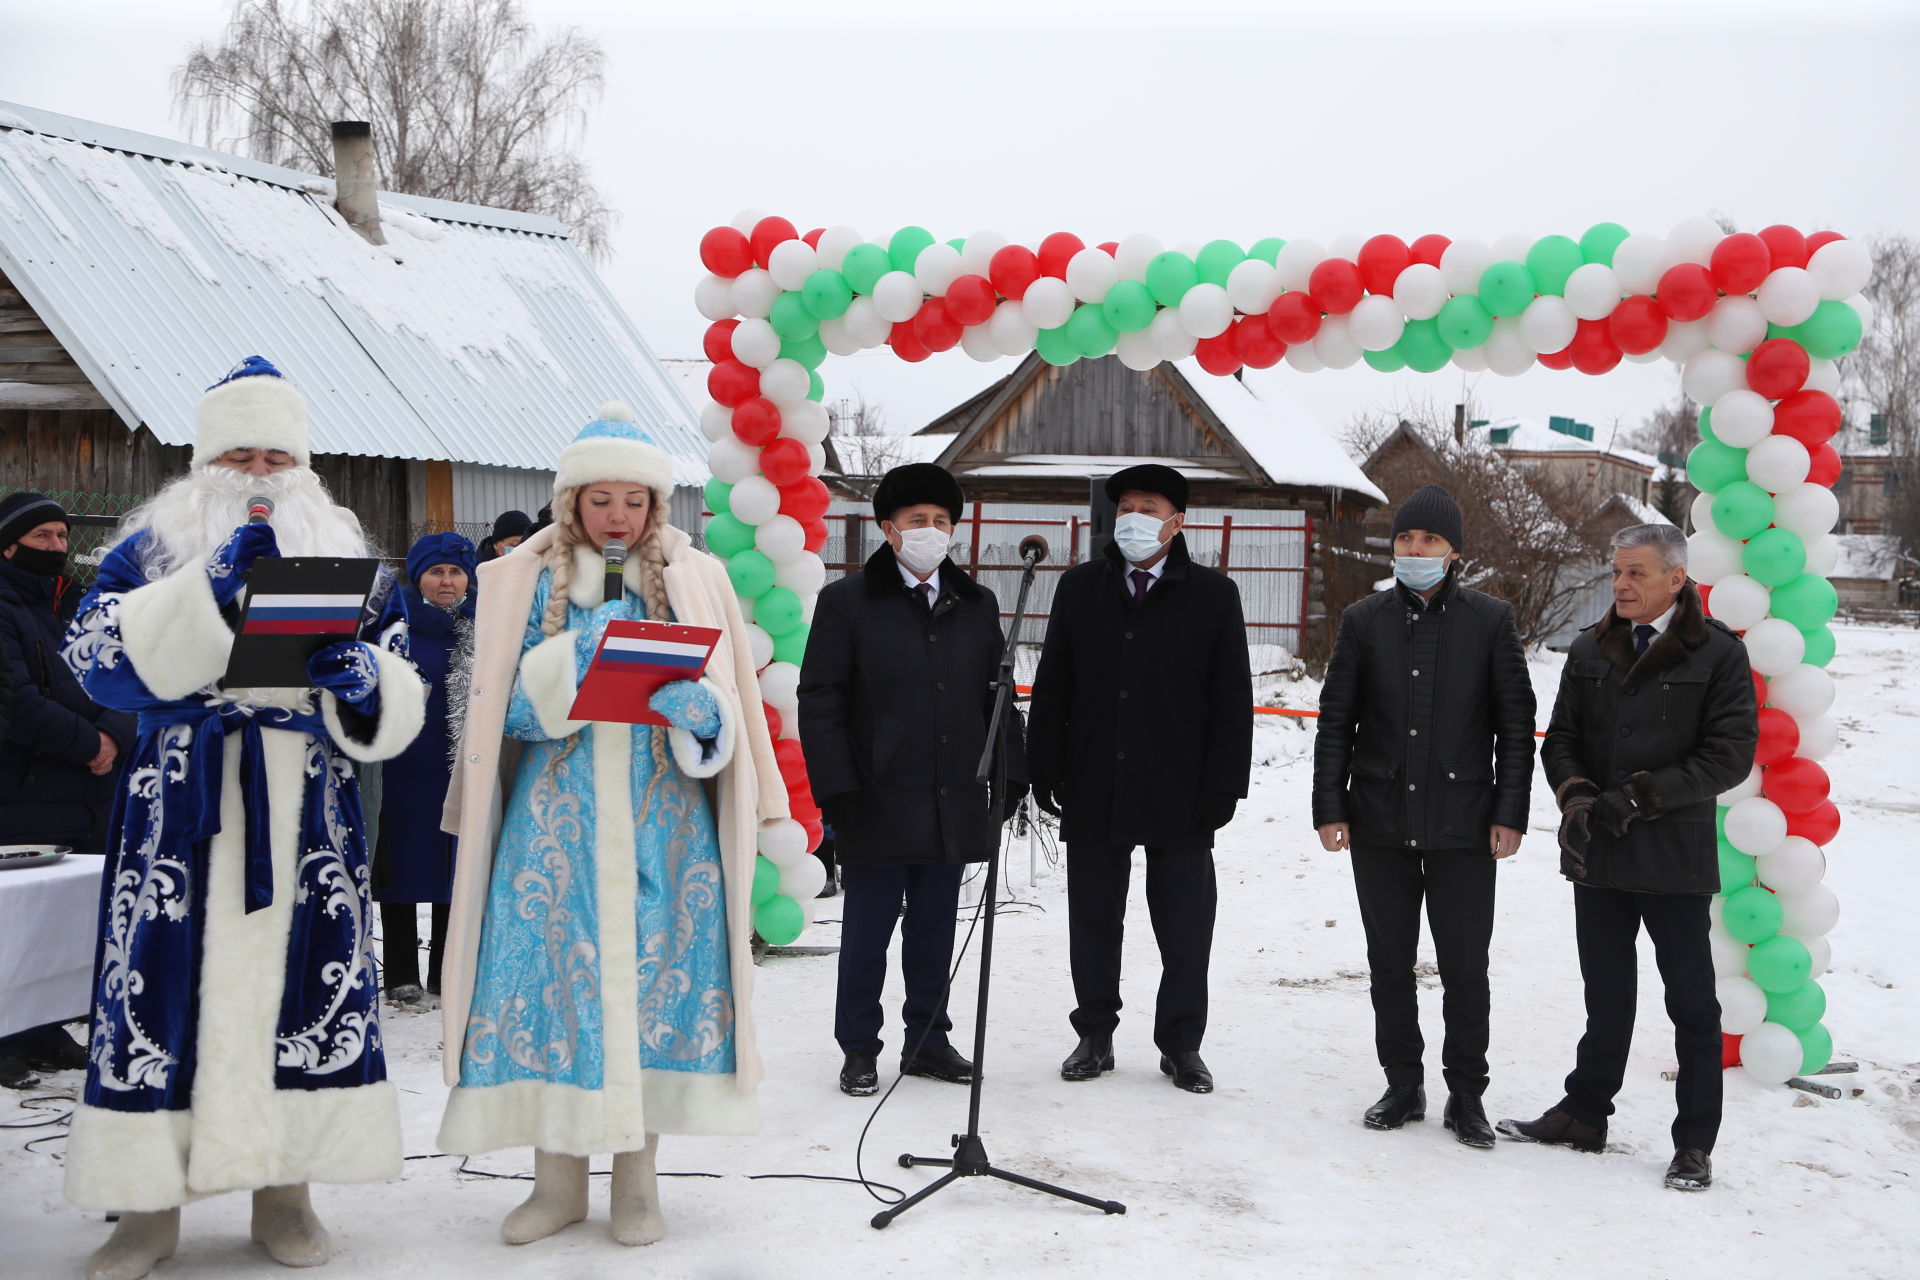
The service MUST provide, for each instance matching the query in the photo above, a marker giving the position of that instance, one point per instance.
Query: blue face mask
(1420, 573)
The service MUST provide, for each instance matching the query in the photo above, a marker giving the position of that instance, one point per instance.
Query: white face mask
(1138, 536)
(922, 550)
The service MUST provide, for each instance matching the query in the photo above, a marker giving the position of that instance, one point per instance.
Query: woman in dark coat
(510, 529)
(413, 860)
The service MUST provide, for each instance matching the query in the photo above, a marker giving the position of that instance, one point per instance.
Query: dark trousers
(400, 945)
(1607, 922)
(870, 898)
(1181, 897)
(1457, 885)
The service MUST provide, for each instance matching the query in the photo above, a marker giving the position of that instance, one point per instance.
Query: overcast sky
(1189, 119)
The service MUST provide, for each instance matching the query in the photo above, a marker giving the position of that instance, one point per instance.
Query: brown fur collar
(1687, 631)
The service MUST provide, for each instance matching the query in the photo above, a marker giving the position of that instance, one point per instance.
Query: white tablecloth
(49, 917)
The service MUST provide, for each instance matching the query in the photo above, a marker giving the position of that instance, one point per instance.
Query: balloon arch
(1755, 322)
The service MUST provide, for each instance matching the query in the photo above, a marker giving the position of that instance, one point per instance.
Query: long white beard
(197, 513)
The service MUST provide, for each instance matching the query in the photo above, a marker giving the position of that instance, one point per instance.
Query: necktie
(1141, 581)
(1642, 637)
(926, 594)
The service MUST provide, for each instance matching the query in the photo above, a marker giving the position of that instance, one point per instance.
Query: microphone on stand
(259, 508)
(615, 555)
(1033, 549)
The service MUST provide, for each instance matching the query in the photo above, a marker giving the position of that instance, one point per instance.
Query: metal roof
(474, 335)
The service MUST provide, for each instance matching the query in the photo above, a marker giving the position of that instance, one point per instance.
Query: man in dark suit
(1421, 767)
(1141, 733)
(895, 697)
(1654, 721)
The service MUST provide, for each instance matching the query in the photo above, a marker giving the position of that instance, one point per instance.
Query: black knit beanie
(22, 513)
(1433, 509)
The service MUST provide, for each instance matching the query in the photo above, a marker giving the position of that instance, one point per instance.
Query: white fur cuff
(403, 709)
(705, 757)
(547, 678)
(173, 633)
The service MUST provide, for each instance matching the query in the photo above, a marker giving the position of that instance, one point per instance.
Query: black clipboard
(296, 607)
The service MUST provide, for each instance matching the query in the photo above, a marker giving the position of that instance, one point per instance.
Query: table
(49, 921)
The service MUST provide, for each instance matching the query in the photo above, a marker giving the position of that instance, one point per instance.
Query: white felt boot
(284, 1222)
(636, 1196)
(559, 1199)
(138, 1242)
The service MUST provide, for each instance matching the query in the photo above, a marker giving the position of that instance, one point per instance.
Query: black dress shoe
(1468, 1120)
(16, 1074)
(52, 1049)
(1691, 1170)
(942, 1063)
(1089, 1059)
(1557, 1128)
(1188, 1071)
(1399, 1104)
(859, 1076)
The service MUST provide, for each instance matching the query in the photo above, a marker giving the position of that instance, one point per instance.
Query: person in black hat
(510, 529)
(1141, 734)
(1421, 767)
(896, 693)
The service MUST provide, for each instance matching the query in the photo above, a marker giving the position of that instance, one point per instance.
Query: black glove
(1216, 808)
(1614, 810)
(1575, 835)
(1010, 800)
(1047, 796)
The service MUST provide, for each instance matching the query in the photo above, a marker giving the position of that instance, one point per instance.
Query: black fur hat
(1150, 477)
(915, 483)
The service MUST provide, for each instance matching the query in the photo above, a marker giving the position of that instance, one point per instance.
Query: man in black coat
(895, 697)
(1141, 733)
(1654, 721)
(1421, 768)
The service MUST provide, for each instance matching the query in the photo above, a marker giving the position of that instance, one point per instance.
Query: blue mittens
(227, 567)
(688, 705)
(347, 671)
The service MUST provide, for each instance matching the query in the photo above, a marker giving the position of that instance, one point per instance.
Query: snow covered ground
(1273, 1175)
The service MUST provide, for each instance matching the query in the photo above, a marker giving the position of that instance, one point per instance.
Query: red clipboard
(633, 660)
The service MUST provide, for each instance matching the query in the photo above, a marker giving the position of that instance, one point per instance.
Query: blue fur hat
(611, 447)
(439, 548)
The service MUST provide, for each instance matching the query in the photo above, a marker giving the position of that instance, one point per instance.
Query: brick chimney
(356, 191)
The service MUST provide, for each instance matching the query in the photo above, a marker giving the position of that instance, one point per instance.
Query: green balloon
(750, 572)
(777, 611)
(791, 319)
(1422, 347)
(718, 495)
(1774, 556)
(1216, 261)
(792, 647)
(904, 249)
(1463, 323)
(1752, 915)
(826, 294)
(1706, 425)
(864, 265)
(958, 244)
(809, 351)
(1830, 332)
(1816, 1045)
(1056, 346)
(1820, 646)
(727, 536)
(1092, 336)
(1506, 288)
(1128, 307)
(1551, 260)
(1601, 239)
(816, 385)
(766, 878)
(1713, 466)
(1741, 508)
(1388, 361)
(779, 920)
(1807, 602)
(1799, 1008)
(1720, 822)
(1169, 276)
(1778, 963)
(1267, 249)
(1736, 869)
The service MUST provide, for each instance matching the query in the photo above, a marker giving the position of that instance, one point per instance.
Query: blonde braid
(560, 560)
(653, 590)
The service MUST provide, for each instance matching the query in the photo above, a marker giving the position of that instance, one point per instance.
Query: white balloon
(1743, 1005)
(780, 686)
(1736, 325)
(1334, 343)
(1841, 268)
(1755, 826)
(746, 220)
(1823, 550)
(1136, 351)
(1643, 357)
(1375, 323)
(1809, 913)
(1803, 693)
(978, 343)
(785, 382)
(1796, 866)
(779, 538)
(759, 644)
(1771, 1053)
(1206, 311)
(1011, 331)
(837, 338)
(1700, 514)
(1745, 790)
(1511, 247)
(1685, 339)
(790, 263)
(1132, 254)
(1090, 273)
(1712, 374)
(1301, 357)
(1048, 303)
(1729, 953)
(732, 460)
(1775, 647)
(831, 251)
(1740, 602)
(1742, 418)
(803, 575)
(713, 298)
(1693, 240)
(806, 422)
(716, 421)
(976, 255)
(1788, 295)
(1420, 290)
(896, 296)
(754, 292)
(1463, 263)
(1253, 285)
(1170, 337)
(1639, 261)
(803, 878)
(1296, 260)
(864, 322)
(1823, 375)
(1470, 359)
(1593, 291)
(1346, 245)
(754, 500)
(1777, 464)
(816, 459)
(1819, 737)
(937, 267)
(1862, 307)
(1822, 952)
(1712, 555)
(755, 343)
(1548, 324)
(783, 840)
(1507, 351)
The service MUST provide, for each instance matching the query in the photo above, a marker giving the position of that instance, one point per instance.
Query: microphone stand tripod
(969, 1159)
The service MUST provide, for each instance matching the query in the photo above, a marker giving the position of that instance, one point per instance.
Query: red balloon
(1820, 239)
(970, 300)
(816, 834)
(1796, 784)
(1218, 355)
(1826, 465)
(1562, 360)
(805, 499)
(1294, 317)
(906, 343)
(787, 752)
(813, 237)
(803, 808)
(1819, 824)
(1254, 342)
(816, 531)
(1637, 325)
(729, 382)
(1786, 247)
(718, 342)
(773, 719)
(1381, 260)
(1593, 349)
(1811, 417)
(1056, 250)
(1110, 247)
(1428, 249)
(1012, 268)
(767, 233)
(1687, 292)
(1741, 262)
(1729, 1051)
(785, 461)
(1779, 737)
(935, 326)
(725, 252)
(1335, 285)
(1760, 694)
(757, 421)
(1706, 598)
(1777, 368)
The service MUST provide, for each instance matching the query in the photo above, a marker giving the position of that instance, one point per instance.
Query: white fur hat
(611, 447)
(253, 407)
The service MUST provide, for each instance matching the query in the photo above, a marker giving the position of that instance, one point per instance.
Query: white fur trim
(705, 757)
(547, 677)
(587, 588)
(173, 632)
(607, 458)
(257, 412)
(403, 709)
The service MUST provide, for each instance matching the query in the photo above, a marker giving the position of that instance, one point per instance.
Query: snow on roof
(475, 335)
(1529, 435)
(1867, 555)
(1645, 512)
(876, 455)
(1278, 432)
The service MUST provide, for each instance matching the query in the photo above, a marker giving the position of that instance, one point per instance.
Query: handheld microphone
(1033, 549)
(259, 508)
(615, 555)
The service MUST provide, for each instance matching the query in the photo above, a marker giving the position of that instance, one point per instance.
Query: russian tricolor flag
(631, 653)
(303, 615)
